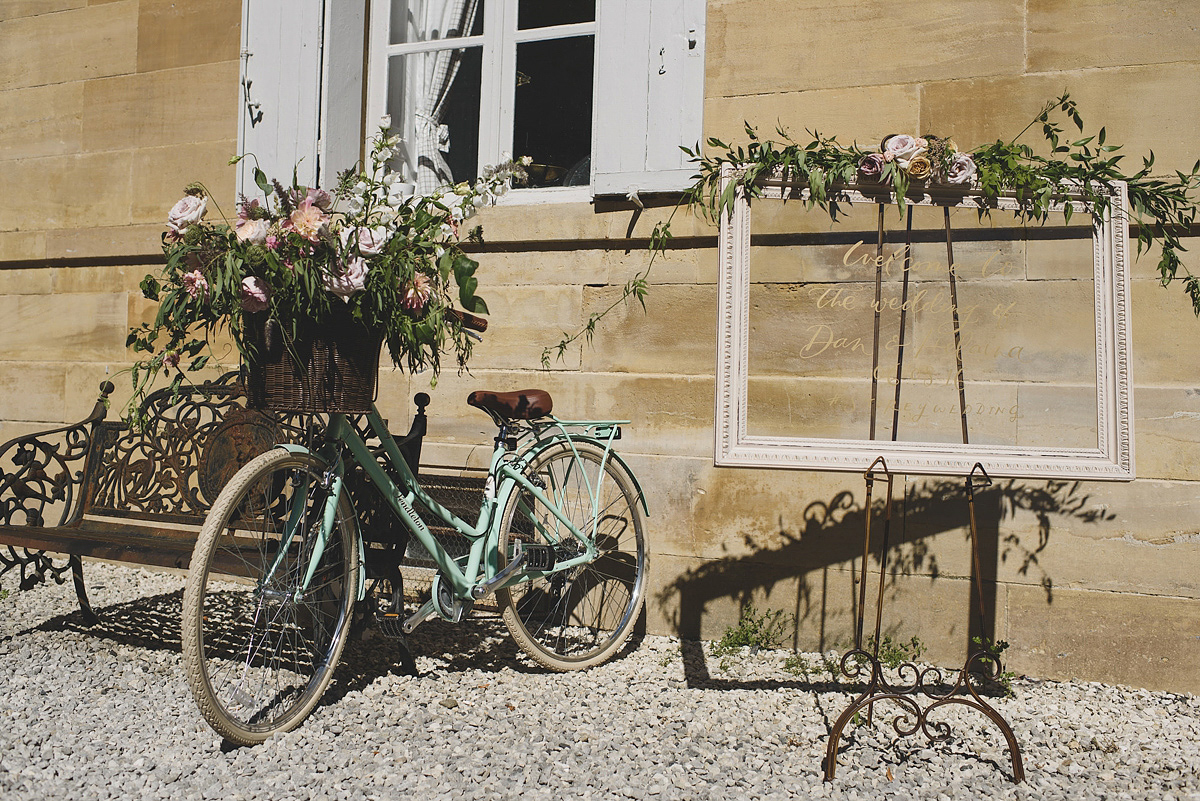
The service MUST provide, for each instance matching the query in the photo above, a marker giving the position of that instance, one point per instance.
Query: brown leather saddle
(523, 404)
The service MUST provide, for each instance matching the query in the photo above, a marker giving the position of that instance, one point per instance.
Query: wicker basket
(330, 370)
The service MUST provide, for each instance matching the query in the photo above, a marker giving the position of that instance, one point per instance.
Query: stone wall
(107, 116)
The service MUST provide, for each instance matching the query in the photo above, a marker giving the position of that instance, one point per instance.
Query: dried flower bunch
(370, 249)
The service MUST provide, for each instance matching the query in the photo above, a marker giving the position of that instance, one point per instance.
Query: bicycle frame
(506, 475)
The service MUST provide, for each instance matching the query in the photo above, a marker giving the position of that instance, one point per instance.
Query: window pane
(429, 20)
(544, 13)
(552, 120)
(433, 99)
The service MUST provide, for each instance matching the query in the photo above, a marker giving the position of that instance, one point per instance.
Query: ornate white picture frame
(1112, 457)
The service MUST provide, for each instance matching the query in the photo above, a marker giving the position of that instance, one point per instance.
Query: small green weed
(893, 653)
(995, 650)
(753, 630)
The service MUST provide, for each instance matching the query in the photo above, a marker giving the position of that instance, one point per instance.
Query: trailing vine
(1160, 206)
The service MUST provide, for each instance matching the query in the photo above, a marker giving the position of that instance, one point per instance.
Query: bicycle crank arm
(486, 588)
(427, 610)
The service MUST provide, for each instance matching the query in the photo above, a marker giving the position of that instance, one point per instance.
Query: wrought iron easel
(919, 691)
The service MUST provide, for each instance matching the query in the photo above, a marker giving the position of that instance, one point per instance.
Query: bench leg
(85, 606)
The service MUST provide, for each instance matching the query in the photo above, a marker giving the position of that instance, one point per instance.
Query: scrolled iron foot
(914, 717)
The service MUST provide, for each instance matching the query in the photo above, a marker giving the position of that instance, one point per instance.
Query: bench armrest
(42, 475)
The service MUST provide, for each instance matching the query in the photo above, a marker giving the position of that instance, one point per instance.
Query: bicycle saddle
(524, 404)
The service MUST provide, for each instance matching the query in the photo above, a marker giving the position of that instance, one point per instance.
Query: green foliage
(753, 630)
(1161, 206)
(307, 257)
(995, 650)
(894, 653)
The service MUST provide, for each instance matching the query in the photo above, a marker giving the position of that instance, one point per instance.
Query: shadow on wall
(824, 557)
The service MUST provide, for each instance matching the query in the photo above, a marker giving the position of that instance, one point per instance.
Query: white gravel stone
(104, 712)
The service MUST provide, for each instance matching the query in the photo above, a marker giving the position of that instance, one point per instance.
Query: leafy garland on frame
(1160, 206)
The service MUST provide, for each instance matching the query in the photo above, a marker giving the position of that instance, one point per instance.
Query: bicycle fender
(637, 484)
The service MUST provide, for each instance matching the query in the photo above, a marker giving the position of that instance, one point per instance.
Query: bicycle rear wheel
(581, 616)
(259, 648)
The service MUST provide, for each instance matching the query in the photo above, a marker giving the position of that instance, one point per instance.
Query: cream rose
(919, 167)
(188, 211)
(253, 231)
(902, 148)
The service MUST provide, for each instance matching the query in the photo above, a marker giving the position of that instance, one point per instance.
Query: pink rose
(195, 284)
(416, 292)
(307, 220)
(370, 240)
(351, 280)
(320, 198)
(253, 231)
(255, 294)
(870, 169)
(962, 169)
(186, 212)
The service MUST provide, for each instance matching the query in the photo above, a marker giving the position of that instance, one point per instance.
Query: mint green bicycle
(280, 560)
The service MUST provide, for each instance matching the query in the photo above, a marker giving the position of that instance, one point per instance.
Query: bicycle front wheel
(259, 643)
(577, 617)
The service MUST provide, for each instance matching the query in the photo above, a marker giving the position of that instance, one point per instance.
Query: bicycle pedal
(539, 557)
(391, 626)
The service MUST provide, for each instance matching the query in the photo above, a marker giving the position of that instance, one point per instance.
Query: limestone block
(22, 245)
(41, 121)
(1167, 432)
(31, 8)
(1103, 33)
(128, 241)
(85, 191)
(512, 221)
(33, 281)
(1069, 260)
(168, 107)
(173, 34)
(81, 388)
(757, 47)
(676, 333)
(1143, 108)
(160, 175)
(1164, 330)
(88, 42)
(531, 268)
(523, 321)
(1140, 640)
(63, 328)
(115, 278)
(32, 391)
(862, 114)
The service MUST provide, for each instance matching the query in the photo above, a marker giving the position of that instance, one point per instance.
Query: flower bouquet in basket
(309, 283)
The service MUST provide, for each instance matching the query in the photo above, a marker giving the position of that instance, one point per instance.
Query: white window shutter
(280, 92)
(649, 94)
(342, 97)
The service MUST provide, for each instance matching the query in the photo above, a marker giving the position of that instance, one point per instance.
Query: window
(470, 80)
(598, 93)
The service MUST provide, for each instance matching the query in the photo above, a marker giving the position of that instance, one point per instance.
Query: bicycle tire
(579, 617)
(257, 654)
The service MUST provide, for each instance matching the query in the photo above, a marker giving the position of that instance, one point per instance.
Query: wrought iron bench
(100, 489)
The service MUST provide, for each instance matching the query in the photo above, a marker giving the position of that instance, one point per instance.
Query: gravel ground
(104, 712)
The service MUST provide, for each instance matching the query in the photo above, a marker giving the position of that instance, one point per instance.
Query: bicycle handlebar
(468, 320)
